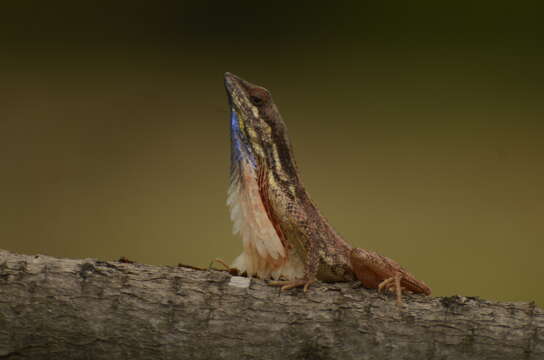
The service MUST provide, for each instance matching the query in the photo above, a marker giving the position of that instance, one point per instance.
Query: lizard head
(258, 132)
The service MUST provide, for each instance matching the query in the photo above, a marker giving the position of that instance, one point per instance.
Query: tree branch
(90, 309)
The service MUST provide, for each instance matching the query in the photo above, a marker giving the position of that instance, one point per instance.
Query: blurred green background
(417, 126)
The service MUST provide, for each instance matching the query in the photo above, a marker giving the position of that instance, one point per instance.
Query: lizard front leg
(379, 272)
(311, 266)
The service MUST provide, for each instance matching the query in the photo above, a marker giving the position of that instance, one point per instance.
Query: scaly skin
(267, 194)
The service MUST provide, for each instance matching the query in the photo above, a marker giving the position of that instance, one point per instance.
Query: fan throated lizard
(285, 237)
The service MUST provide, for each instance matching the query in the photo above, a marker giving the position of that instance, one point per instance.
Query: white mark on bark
(240, 281)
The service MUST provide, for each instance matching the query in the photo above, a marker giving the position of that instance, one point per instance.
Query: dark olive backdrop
(417, 128)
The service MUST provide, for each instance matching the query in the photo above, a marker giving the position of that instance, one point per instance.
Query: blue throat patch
(239, 149)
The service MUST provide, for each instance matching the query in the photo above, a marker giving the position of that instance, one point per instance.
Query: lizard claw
(289, 284)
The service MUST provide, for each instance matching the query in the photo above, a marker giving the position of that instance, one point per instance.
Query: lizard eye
(258, 96)
(255, 100)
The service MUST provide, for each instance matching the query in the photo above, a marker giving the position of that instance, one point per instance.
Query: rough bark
(89, 309)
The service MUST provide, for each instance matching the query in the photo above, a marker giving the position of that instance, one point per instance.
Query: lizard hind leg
(377, 271)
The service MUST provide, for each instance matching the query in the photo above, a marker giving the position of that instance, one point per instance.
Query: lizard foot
(289, 284)
(393, 284)
(376, 271)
